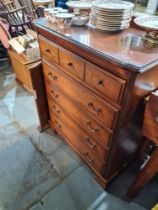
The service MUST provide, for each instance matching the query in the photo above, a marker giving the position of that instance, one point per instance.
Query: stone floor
(38, 171)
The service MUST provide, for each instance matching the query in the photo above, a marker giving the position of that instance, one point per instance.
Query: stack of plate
(111, 15)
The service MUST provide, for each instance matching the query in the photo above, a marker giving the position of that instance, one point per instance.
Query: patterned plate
(114, 6)
(147, 22)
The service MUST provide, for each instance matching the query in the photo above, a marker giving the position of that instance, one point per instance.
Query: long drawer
(87, 140)
(99, 108)
(81, 117)
(76, 141)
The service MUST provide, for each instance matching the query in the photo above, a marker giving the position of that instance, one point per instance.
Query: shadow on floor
(147, 196)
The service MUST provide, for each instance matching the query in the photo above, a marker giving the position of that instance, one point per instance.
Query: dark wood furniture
(150, 131)
(95, 84)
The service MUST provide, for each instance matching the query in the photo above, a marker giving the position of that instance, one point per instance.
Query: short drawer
(75, 140)
(49, 50)
(72, 64)
(88, 141)
(100, 109)
(107, 84)
(78, 115)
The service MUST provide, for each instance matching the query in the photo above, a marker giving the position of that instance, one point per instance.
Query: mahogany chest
(95, 84)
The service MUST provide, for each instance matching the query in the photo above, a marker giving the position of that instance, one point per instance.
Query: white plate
(147, 22)
(79, 4)
(119, 5)
(64, 15)
(52, 9)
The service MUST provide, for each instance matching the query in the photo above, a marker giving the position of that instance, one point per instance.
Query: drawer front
(72, 64)
(82, 118)
(104, 82)
(100, 109)
(75, 140)
(87, 140)
(49, 50)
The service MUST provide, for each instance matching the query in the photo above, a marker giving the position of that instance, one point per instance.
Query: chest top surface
(126, 48)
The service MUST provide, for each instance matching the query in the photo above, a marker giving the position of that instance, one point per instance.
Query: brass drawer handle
(90, 144)
(86, 155)
(100, 82)
(96, 110)
(52, 77)
(56, 110)
(57, 124)
(54, 95)
(93, 130)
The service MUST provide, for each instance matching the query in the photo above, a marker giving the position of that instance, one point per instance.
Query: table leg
(145, 175)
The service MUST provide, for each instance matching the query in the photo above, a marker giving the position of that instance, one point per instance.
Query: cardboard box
(26, 45)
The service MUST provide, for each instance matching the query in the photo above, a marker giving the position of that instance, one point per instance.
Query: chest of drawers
(92, 100)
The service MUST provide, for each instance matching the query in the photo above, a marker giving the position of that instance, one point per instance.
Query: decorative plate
(118, 6)
(148, 22)
(79, 4)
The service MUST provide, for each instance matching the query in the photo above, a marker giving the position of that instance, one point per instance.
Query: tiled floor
(38, 171)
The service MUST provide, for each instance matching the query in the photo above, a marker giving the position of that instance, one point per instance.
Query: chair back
(15, 17)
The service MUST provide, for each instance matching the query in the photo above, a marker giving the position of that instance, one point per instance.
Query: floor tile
(83, 188)
(65, 160)
(59, 198)
(46, 142)
(25, 176)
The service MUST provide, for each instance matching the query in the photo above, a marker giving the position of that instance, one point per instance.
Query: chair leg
(145, 175)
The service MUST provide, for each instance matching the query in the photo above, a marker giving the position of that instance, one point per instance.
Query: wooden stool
(150, 131)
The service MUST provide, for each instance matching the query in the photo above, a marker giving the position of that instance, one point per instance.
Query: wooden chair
(150, 131)
(31, 11)
(15, 17)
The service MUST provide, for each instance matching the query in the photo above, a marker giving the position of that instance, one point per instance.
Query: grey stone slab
(37, 206)
(83, 188)
(5, 117)
(58, 153)
(59, 199)
(25, 176)
(65, 160)
(107, 201)
(46, 142)
(9, 130)
(25, 111)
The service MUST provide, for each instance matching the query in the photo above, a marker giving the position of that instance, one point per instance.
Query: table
(150, 130)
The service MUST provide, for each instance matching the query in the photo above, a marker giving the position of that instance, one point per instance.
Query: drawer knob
(96, 110)
(100, 82)
(70, 64)
(57, 124)
(90, 144)
(86, 155)
(56, 110)
(93, 130)
(52, 77)
(47, 50)
(156, 119)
